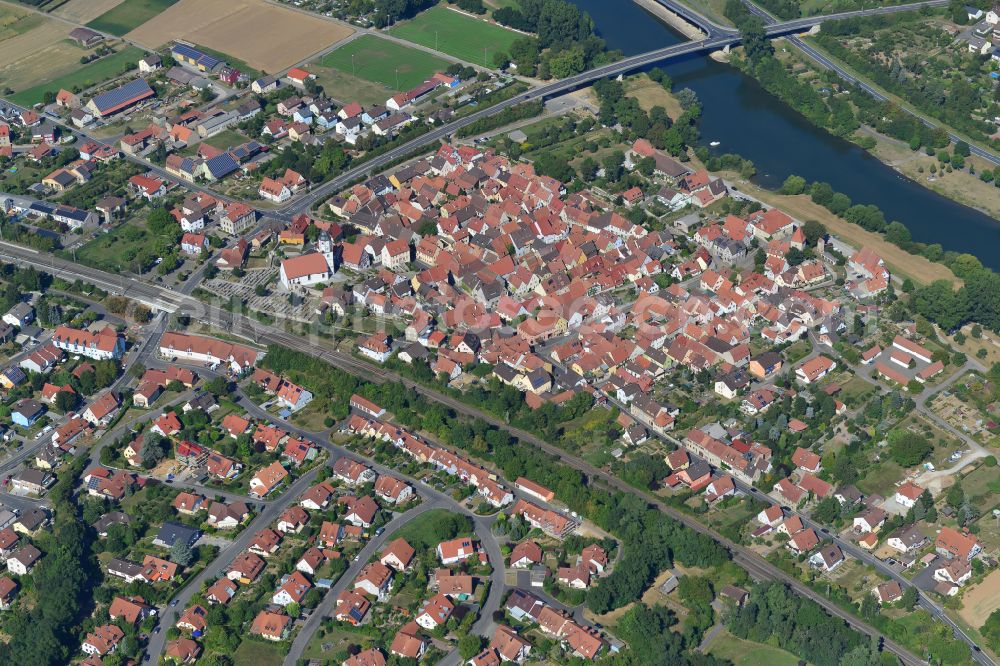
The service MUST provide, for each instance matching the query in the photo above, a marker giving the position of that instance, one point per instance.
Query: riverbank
(671, 19)
(900, 262)
(960, 185)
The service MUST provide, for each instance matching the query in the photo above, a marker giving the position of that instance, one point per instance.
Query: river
(747, 120)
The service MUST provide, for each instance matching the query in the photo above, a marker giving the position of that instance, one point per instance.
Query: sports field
(392, 65)
(458, 35)
(84, 76)
(129, 15)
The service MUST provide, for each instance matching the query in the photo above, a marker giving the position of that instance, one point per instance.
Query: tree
(863, 655)
(687, 98)
(955, 496)
(180, 553)
(613, 166)
(869, 607)
(66, 401)
(794, 185)
(991, 630)
(217, 385)
(907, 448)
(160, 221)
(469, 646)
(827, 510)
(755, 40)
(909, 598)
(88, 382)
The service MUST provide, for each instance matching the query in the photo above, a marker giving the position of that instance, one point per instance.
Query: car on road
(174, 602)
(379, 531)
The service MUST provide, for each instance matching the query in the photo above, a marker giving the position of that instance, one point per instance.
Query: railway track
(253, 330)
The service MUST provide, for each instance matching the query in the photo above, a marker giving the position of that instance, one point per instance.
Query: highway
(251, 329)
(717, 38)
(825, 62)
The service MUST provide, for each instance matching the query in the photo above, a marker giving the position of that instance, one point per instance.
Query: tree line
(565, 43)
(650, 539)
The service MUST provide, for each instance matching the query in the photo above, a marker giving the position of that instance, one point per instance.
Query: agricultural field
(458, 35)
(979, 602)
(125, 16)
(14, 22)
(266, 37)
(377, 60)
(85, 11)
(84, 77)
(34, 48)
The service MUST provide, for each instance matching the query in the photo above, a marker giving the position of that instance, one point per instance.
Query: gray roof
(171, 532)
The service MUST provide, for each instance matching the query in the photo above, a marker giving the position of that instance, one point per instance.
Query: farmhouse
(121, 98)
(191, 56)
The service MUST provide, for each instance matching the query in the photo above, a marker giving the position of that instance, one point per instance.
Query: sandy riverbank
(671, 19)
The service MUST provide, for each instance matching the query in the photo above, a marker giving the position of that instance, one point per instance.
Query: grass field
(345, 88)
(419, 532)
(920, 269)
(226, 139)
(128, 16)
(88, 75)
(745, 653)
(649, 93)
(387, 63)
(259, 653)
(457, 35)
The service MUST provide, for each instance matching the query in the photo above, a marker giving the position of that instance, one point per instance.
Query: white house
(827, 558)
(908, 494)
(305, 270)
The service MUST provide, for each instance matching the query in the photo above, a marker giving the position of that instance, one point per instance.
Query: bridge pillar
(814, 30)
(726, 49)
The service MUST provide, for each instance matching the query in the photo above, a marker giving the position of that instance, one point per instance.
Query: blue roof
(246, 150)
(131, 92)
(207, 61)
(222, 165)
(72, 213)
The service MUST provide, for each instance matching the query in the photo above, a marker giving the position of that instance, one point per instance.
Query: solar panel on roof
(187, 51)
(222, 165)
(122, 94)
